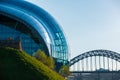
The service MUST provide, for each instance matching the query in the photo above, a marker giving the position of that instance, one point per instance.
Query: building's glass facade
(33, 27)
(28, 44)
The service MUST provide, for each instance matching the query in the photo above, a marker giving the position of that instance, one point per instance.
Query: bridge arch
(104, 53)
(96, 64)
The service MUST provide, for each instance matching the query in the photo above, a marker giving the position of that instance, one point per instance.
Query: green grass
(18, 65)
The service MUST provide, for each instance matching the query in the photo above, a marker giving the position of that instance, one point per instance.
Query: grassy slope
(17, 65)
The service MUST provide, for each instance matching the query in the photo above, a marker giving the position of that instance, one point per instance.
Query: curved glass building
(30, 28)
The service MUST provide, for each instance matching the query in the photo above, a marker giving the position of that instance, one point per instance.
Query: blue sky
(88, 24)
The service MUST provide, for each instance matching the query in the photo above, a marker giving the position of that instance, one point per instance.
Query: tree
(64, 70)
(47, 60)
(50, 62)
(40, 55)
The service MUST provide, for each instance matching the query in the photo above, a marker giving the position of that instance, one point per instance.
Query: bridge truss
(105, 61)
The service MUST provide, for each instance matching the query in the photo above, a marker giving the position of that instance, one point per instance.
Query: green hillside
(17, 65)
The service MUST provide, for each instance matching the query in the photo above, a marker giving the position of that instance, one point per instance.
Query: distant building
(11, 43)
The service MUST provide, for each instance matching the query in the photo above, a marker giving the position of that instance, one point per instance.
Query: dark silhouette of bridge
(96, 61)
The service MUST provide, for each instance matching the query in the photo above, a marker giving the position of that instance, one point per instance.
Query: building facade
(33, 28)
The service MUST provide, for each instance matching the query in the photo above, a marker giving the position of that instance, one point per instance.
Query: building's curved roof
(40, 20)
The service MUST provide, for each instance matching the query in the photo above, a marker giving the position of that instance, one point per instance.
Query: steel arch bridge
(96, 61)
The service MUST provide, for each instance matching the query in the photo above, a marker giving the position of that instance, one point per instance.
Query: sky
(87, 24)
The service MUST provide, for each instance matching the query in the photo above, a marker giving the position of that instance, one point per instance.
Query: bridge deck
(95, 71)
